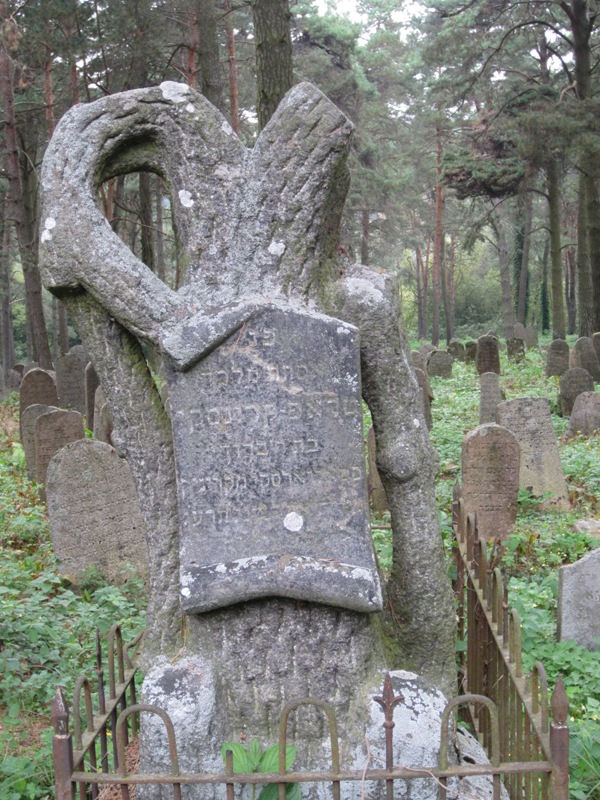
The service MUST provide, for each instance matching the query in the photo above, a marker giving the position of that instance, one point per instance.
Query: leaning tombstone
(540, 469)
(256, 485)
(418, 360)
(28, 419)
(94, 512)
(439, 364)
(515, 349)
(557, 362)
(490, 396)
(426, 396)
(470, 352)
(531, 337)
(585, 416)
(490, 478)
(573, 383)
(519, 331)
(70, 382)
(488, 355)
(578, 614)
(37, 386)
(53, 431)
(379, 502)
(457, 350)
(583, 355)
(91, 384)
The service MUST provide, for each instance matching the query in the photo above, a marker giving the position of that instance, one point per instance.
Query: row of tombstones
(92, 503)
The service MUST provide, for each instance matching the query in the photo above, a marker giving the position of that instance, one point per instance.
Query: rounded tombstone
(456, 350)
(488, 355)
(574, 382)
(531, 337)
(583, 355)
(515, 349)
(439, 364)
(418, 360)
(519, 331)
(585, 416)
(557, 362)
(470, 352)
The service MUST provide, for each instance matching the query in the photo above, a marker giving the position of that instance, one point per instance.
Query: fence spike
(559, 703)
(60, 712)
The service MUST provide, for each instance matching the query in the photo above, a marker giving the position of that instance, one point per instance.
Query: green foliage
(252, 758)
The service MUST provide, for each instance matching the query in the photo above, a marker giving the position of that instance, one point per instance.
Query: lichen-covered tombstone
(252, 486)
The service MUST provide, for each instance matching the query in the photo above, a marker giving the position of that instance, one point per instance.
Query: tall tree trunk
(146, 222)
(558, 309)
(274, 76)
(26, 237)
(570, 269)
(421, 328)
(425, 282)
(211, 81)
(524, 265)
(364, 238)
(544, 289)
(449, 264)
(508, 312)
(6, 328)
(584, 274)
(160, 239)
(234, 108)
(437, 242)
(189, 52)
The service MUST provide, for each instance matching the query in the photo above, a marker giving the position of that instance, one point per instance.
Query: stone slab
(557, 362)
(573, 382)
(490, 396)
(52, 432)
(28, 419)
(487, 358)
(70, 382)
(585, 417)
(579, 601)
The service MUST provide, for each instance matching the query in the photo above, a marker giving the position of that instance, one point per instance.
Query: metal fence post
(62, 747)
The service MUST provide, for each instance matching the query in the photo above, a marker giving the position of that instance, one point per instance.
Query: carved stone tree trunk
(251, 479)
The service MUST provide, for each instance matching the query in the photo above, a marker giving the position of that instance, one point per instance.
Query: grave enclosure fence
(528, 752)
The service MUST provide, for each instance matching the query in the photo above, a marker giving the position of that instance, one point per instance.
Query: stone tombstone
(439, 364)
(252, 482)
(488, 355)
(426, 396)
(377, 495)
(13, 380)
(457, 350)
(20, 368)
(470, 352)
(70, 382)
(519, 331)
(596, 343)
(418, 360)
(515, 349)
(583, 355)
(490, 478)
(557, 362)
(578, 614)
(103, 424)
(531, 337)
(574, 382)
(585, 416)
(29, 366)
(267, 431)
(490, 396)
(79, 351)
(53, 431)
(92, 382)
(28, 419)
(94, 511)
(540, 470)
(37, 386)
(426, 349)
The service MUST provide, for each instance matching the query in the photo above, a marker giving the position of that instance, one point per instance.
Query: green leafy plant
(253, 758)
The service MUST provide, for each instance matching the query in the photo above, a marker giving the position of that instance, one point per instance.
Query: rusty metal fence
(492, 666)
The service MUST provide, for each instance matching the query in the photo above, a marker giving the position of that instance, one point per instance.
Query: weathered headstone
(585, 416)
(531, 337)
(94, 511)
(515, 349)
(426, 395)
(28, 419)
(37, 386)
(519, 331)
(470, 352)
(490, 396)
(490, 478)
(578, 614)
(596, 343)
(12, 379)
(557, 362)
(488, 355)
(418, 360)
(91, 384)
(574, 382)
(70, 382)
(457, 350)
(20, 368)
(426, 349)
(540, 470)
(79, 351)
(53, 431)
(439, 364)
(103, 424)
(29, 366)
(379, 502)
(583, 355)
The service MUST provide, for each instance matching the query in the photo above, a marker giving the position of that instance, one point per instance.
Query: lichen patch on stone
(175, 92)
(185, 198)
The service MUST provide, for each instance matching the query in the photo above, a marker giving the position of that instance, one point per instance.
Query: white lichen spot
(220, 568)
(50, 223)
(293, 522)
(186, 592)
(185, 198)
(227, 129)
(277, 248)
(46, 236)
(416, 423)
(190, 108)
(175, 92)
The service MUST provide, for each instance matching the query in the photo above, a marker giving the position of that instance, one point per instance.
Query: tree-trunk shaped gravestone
(252, 483)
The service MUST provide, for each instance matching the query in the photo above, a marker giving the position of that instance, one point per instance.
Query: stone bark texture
(256, 229)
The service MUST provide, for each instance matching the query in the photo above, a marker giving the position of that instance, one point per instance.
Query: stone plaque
(439, 364)
(573, 383)
(585, 417)
(519, 331)
(557, 362)
(70, 382)
(541, 472)
(37, 386)
(488, 355)
(268, 443)
(490, 478)
(531, 337)
(53, 431)
(28, 419)
(579, 601)
(94, 511)
(583, 355)
(490, 396)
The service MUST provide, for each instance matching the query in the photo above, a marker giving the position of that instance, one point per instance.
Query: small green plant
(252, 758)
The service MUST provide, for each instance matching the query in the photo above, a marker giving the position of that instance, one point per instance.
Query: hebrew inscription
(272, 489)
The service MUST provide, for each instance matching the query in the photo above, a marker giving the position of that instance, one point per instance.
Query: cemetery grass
(47, 624)
(542, 541)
